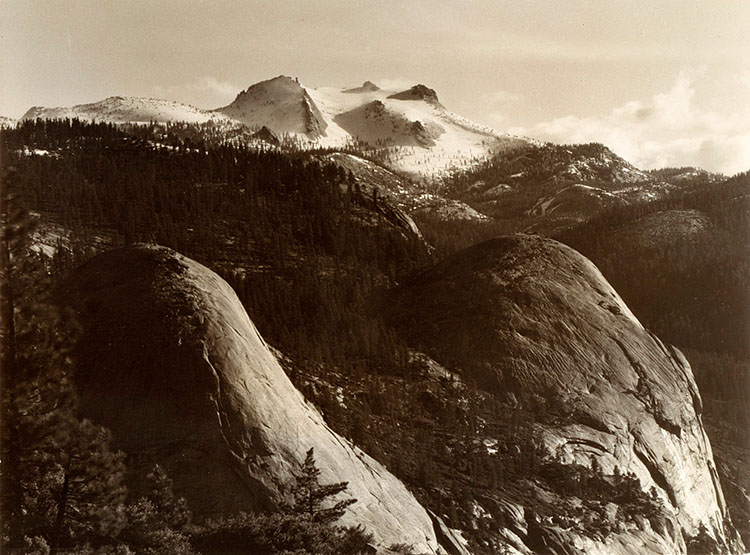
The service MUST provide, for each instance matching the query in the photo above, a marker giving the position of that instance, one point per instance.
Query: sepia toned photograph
(368, 277)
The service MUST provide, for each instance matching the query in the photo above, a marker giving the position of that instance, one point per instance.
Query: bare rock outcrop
(525, 315)
(418, 92)
(171, 362)
(367, 87)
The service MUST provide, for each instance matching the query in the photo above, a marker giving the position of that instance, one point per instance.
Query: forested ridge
(273, 225)
(311, 261)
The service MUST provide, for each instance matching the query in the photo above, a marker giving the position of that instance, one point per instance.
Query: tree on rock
(309, 525)
(310, 496)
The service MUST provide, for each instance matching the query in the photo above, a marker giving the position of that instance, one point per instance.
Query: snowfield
(452, 142)
(119, 109)
(423, 138)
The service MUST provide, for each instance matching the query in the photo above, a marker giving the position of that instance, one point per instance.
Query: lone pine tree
(311, 497)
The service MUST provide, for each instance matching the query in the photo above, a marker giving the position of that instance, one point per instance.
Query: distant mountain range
(406, 145)
(430, 139)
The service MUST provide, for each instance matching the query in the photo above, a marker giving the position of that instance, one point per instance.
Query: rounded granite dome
(528, 316)
(171, 363)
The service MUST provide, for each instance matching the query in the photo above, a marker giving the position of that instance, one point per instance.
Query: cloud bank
(668, 130)
(206, 92)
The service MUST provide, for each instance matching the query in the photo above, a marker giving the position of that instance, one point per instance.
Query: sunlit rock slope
(173, 365)
(523, 316)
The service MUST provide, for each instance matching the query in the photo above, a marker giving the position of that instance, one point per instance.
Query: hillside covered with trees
(312, 262)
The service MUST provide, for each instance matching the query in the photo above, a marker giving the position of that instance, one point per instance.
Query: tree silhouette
(60, 480)
(311, 497)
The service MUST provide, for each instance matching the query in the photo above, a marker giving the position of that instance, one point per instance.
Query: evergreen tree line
(63, 484)
(288, 232)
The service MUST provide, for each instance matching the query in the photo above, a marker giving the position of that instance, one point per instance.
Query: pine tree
(15, 228)
(310, 496)
(60, 480)
(36, 392)
(157, 522)
(307, 526)
(90, 500)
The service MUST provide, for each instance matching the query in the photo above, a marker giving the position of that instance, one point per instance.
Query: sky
(662, 83)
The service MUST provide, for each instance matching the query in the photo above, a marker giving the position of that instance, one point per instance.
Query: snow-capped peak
(281, 104)
(421, 135)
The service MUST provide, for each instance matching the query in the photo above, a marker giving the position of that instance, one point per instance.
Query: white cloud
(502, 104)
(669, 129)
(396, 83)
(214, 86)
(206, 92)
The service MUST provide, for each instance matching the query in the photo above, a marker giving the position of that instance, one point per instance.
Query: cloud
(205, 92)
(502, 103)
(669, 129)
(396, 83)
(214, 86)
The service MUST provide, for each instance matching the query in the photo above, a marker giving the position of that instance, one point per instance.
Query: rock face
(281, 104)
(528, 315)
(418, 92)
(367, 86)
(172, 364)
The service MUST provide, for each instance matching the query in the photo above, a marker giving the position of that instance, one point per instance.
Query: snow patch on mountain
(424, 138)
(280, 104)
(119, 109)
(421, 136)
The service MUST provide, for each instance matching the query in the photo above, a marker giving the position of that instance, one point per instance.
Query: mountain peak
(367, 86)
(417, 92)
(278, 84)
(281, 104)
